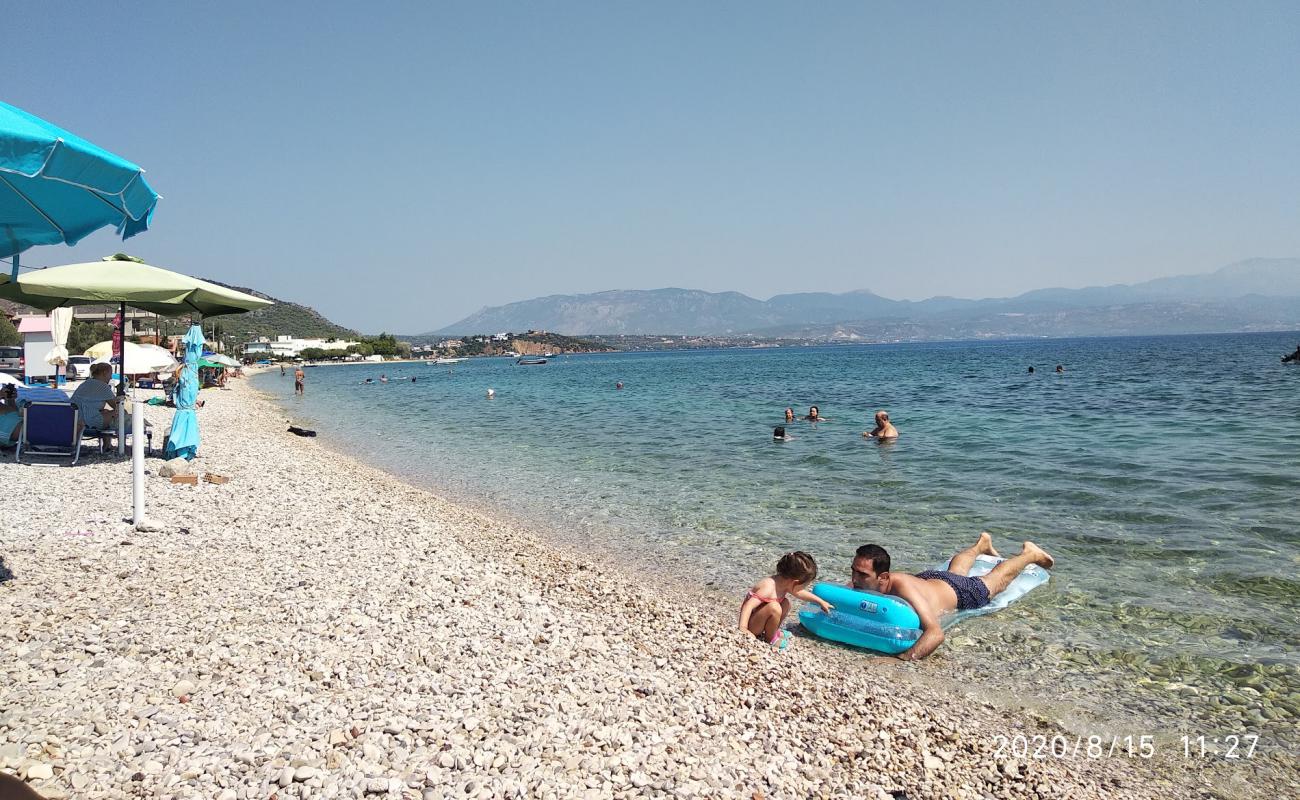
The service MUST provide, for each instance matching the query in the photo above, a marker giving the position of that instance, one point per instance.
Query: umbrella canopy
(60, 324)
(222, 361)
(140, 359)
(56, 187)
(142, 286)
(184, 438)
(5, 377)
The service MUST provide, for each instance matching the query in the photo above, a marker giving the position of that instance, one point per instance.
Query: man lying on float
(936, 592)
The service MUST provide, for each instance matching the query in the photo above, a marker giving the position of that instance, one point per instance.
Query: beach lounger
(50, 430)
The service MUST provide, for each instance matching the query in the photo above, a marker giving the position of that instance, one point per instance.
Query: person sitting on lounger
(937, 592)
(97, 401)
(11, 415)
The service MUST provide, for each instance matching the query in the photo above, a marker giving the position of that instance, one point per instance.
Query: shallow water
(1161, 472)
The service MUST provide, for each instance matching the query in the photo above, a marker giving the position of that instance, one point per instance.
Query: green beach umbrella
(142, 286)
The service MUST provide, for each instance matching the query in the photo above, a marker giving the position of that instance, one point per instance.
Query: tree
(82, 335)
(362, 349)
(385, 344)
(404, 349)
(8, 333)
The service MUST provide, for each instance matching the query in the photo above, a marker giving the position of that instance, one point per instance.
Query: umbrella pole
(137, 463)
(121, 385)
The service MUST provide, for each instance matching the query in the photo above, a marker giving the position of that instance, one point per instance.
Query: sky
(399, 165)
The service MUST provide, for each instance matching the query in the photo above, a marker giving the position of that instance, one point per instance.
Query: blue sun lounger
(50, 430)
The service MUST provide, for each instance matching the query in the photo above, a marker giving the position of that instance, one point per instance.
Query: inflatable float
(888, 624)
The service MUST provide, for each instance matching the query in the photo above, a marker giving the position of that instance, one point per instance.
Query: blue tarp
(184, 439)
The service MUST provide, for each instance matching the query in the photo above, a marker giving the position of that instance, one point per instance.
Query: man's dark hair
(878, 555)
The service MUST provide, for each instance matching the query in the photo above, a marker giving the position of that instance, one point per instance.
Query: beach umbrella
(56, 187)
(141, 358)
(5, 377)
(222, 360)
(60, 324)
(128, 282)
(184, 438)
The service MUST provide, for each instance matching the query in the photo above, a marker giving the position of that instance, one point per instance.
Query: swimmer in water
(618, 385)
(779, 434)
(1059, 369)
(491, 393)
(884, 428)
(383, 378)
(1031, 370)
(789, 415)
(815, 416)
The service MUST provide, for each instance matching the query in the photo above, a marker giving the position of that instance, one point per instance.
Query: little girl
(767, 605)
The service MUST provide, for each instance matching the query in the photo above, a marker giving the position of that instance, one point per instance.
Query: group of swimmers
(884, 430)
(383, 378)
(931, 594)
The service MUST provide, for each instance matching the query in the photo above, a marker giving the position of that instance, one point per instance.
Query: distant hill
(283, 318)
(1258, 294)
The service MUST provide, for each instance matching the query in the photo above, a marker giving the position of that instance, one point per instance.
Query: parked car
(13, 361)
(78, 367)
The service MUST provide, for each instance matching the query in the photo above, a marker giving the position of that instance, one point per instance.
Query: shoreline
(341, 631)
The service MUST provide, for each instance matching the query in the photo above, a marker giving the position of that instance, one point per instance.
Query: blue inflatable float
(888, 624)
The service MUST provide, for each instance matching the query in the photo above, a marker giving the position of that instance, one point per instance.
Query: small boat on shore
(531, 361)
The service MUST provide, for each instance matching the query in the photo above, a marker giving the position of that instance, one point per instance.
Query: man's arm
(931, 630)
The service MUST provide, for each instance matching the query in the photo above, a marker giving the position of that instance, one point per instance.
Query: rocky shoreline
(318, 628)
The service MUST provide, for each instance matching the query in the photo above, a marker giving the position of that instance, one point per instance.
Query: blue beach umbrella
(57, 187)
(184, 439)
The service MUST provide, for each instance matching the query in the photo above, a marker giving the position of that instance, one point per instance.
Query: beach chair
(50, 430)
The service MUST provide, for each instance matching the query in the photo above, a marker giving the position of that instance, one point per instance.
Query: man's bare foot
(1038, 555)
(985, 545)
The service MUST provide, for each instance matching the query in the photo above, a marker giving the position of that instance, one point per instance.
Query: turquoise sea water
(1162, 473)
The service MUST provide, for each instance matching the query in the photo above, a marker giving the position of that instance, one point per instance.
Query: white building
(38, 341)
(289, 347)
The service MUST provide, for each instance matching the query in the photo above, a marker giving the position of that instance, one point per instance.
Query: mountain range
(1258, 294)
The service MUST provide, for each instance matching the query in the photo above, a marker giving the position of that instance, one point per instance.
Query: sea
(1163, 473)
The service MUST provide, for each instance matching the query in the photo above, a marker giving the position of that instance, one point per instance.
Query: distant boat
(449, 360)
(548, 355)
(527, 361)
(510, 354)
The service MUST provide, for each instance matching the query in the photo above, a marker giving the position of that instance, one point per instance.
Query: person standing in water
(298, 377)
(884, 428)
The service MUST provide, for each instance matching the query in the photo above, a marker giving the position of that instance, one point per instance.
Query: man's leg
(1001, 576)
(963, 561)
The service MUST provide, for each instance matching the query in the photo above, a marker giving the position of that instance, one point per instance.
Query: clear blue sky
(399, 165)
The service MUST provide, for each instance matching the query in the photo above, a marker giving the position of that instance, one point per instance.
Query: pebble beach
(317, 628)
